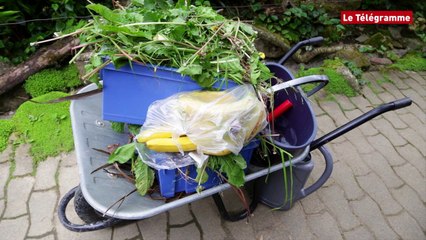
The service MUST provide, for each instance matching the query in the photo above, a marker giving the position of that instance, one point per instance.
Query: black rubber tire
(83, 209)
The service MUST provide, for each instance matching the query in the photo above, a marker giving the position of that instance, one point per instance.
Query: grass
(46, 126)
(6, 128)
(410, 62)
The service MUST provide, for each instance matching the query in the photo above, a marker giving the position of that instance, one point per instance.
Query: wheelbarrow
(95, 197)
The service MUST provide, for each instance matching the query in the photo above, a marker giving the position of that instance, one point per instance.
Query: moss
(52, 80)
(337, 83)
(6, 128)
(46, 126)
(413, 62)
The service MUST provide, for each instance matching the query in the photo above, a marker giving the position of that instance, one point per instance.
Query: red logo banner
(376, 17)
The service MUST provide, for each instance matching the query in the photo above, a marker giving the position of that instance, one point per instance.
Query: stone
(344, 102)
(397, 80)
(361, 103)
(5, 154)
(67, 179)
(128, 231)
(18, 192)
(377, 190)
(42, 207)
(380, 61)
(413, 156)
(208, 218)
(384, 146)
(414, 139)
(312, 204)
(266, 224)
(393, 91)
(333, 111)
(395, 32)
(367, 129)
(406, 226)
(1, 206)
(378, 39)
(362, 38)
(389, 132)
(324, 226)
(400, 52)
(411, 203)
(381, 167)
(348, 154)
(349, 77)
(68, 159)
(345, 178)
(294, 222)
(353, 55)
(180, 215)
(413, 178)
(371, 96)
(24, 162)
(359, 233)
(14, 228)
(369, 214)
(154, 227)
(337, 204)
(394, 119)
(421, 90)
(412, 121)
(372, 78)
(417, 77)
(4, 175)
(45, 176)
(186, 232)
(359, 141)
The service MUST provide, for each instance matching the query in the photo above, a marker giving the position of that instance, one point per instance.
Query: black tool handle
(298, 46)
(401, 103)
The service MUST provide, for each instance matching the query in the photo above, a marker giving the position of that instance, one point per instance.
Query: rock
(400, 52)
(378, 40)
(380, 61)
(395, 32)
(362, 38)
(350, 78)
(413, 43)
(352, 54)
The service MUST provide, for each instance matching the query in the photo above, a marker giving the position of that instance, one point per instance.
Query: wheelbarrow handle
(321, 79)
(298, 46)
(390, 106)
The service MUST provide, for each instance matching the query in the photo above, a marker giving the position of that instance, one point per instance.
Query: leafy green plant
(301, 22)
(6, 128)
(53, 80)
(412, 61)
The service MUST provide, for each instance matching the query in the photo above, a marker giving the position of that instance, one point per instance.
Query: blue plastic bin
(174, 181)
(129, 90)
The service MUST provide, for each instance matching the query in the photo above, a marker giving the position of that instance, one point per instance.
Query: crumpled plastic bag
(214, 121)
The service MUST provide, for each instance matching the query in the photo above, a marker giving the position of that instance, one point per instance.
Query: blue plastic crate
(182, 180)
(129, 90)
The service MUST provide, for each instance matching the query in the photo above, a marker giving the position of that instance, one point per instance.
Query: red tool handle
(278, 111)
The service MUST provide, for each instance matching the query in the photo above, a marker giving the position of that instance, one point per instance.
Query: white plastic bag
(216, 122)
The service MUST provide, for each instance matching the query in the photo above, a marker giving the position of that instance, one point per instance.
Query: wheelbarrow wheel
(83, 209)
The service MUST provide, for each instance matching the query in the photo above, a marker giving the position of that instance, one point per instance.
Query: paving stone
(324, 226)
(4, 175)
(318, 111)
(325, 125)
(68, 159)
(208, 217)
(361, 103)
(377, 190)
(334, 198)
(128, 231)
(359, 233)
(239, 230)
(371, 96)
(406, 226)
(399, 83)
(369, 214)
(381, 167)
(48, 237)
(24, 162)
(417, 99)
(347, 153)
(373, 78)
(388, 131)
(413, 178)
(411, 202)
(5, 155)
(414, 139)
(393, 91)
(294, 222)
(421, 90)
(344, 102)
(401, 74)
(318, 170)
(184, 233)
(420, 114)
(388, 97)
(266, 225)
(18, 192)
(46, 171)
(334, 112)
(67, 179)
(413, 156)
(154, 227)
(346, 179)
(416, 77)
(367, 129)
(385, 147)
(180, 215)
(14, 228)
(1, 206)
(42, 207)
(393, 118)
(412, 121)
(312, 204)
(359, 141)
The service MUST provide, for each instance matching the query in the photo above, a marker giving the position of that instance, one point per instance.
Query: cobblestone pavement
(377, 189)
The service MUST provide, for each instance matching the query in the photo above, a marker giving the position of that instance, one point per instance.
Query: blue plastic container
(129, 90)
(182, 180)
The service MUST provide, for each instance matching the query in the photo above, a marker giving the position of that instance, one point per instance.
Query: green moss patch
(6, 128)
(413, 62)
(52, 80)
(46, 126)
